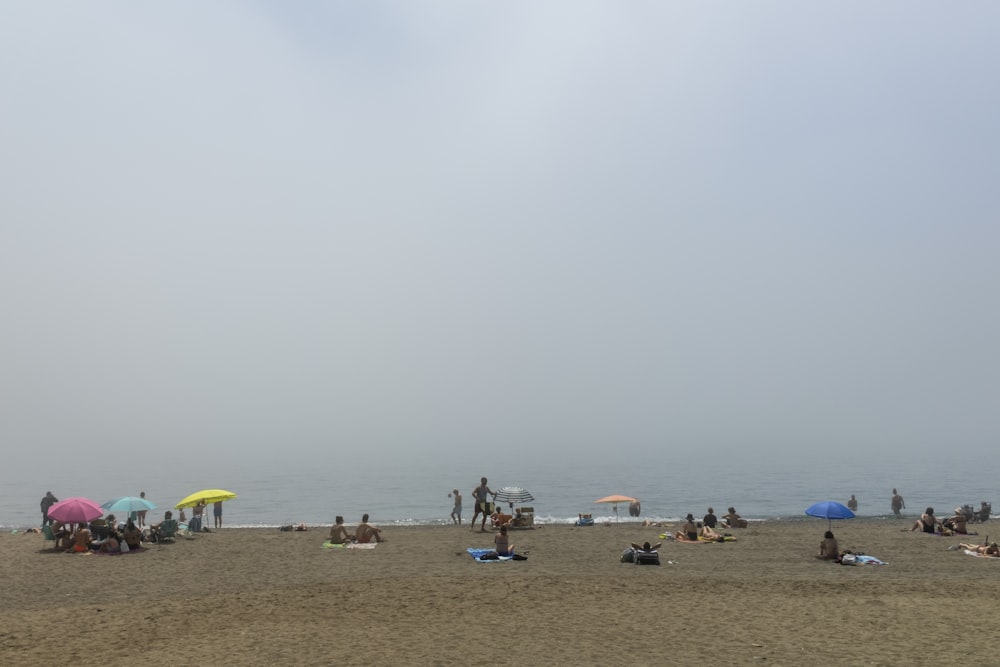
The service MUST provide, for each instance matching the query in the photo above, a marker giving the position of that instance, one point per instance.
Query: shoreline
(542, 521)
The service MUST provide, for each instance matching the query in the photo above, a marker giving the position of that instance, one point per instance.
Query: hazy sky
(553, 227)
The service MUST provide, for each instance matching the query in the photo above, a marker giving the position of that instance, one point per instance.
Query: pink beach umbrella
(75, 510)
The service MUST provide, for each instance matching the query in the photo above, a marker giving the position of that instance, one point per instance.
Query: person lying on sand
(646, 546)
(706, 533)
(987, 550)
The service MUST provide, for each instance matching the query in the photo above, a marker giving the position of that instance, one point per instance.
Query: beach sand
(265, 597)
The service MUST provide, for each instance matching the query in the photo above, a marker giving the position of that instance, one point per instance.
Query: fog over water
(352, 243)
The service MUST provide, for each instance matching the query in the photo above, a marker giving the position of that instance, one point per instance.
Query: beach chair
(49, 536)
(167, 531)
(984, 511)
(651, 557)
(640, 556)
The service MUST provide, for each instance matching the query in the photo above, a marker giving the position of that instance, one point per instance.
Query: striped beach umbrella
(513, 494)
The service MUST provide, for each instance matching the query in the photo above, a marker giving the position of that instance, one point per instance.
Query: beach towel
(476, 553)
(349, 545)
(979, 555)
(859, 559)
(678, 540)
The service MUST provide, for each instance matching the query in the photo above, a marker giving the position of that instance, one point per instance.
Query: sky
(331, 229)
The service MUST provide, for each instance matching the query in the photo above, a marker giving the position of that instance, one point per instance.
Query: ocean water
(413, 489)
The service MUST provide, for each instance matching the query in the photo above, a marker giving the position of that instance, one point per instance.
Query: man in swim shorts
(479, 494)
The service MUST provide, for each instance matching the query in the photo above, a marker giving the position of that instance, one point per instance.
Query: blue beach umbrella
(127, 505)
(829, 510)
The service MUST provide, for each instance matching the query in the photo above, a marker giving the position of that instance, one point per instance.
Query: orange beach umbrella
(614, 500)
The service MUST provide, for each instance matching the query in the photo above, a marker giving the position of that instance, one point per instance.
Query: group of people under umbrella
(79, 524)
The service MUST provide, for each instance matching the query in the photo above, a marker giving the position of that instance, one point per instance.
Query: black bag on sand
(628, 556)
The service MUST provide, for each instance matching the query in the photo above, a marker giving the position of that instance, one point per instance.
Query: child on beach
(456, 511)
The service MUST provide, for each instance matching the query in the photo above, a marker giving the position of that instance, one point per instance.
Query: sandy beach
(263, 597)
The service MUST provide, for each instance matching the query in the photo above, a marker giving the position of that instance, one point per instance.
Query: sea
(412, 489)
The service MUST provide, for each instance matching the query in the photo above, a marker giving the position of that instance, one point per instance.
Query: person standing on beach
(48, 501)
(197, 513)
(852, 504)
(482, 506)
(456, 511)
(140, 515)
(634, 508)
(897, 502)
(217, 513)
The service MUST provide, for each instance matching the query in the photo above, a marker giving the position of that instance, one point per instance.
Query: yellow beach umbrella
(208, 495)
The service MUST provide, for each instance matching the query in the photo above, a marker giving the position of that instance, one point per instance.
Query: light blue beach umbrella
(829, 510)
(127, 505)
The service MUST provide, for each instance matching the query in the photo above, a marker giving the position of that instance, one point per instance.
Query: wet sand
(263, 597)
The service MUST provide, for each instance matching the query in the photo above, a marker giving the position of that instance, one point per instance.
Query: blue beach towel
(476, 553)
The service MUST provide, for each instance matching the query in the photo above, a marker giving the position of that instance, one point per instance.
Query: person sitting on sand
(339, 534)
(927, 522)
(733, 520)
(646, 546)
(501, 543)
(710, 519)
(828, 548)
(498, 518)
(132, 535)
(707, 534)
(154, 528)
(984, 549)
(110, 545)
(63, 535)
(688, 532)
(81, 539)
(957, 523)
(366, 533)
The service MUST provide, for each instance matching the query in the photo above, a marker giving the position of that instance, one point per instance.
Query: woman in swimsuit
(688, 531)
(706, 533)
(503, 547)
(829, 548)
(986, 550)
(927, 522)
